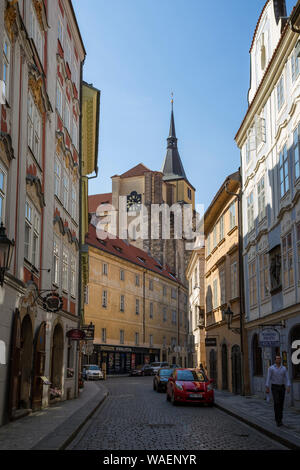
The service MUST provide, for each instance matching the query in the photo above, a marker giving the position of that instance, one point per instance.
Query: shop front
(121, 359)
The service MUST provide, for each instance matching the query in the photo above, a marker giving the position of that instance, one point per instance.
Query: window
(65, 269)
(59, 97)
(283, 171)
(164, 291)
(57, 177)
(189, 191)
(221, 229)
(164, 341)
(103, 335)
(73, 275)
(104, 299)
(56, 260)
(215, 237)
(34, 123)
(122, 336)
(151, 310)
(234, 280)
(222, 287)
(104, 269)
(215, 294)
(248, 152)
(296, 151)
(68, 52)
(67, 117)
(122, 303)
(137, 306)
(60, 32)
(208, 245)
(287, 258)
(66, 183)
(36, 33)
(75, 133)
(164, 314)
(295, 65)
(252, 284)
(257, 357)
(173, 293)
(151, 284)
(232, 220)
(32, 234)
(264, 276)
(137, 340)
(74, 204)
(261, 198)
(280, 93)
(122, 275)
(250, 211)
(174, 317)
(137, 280)
(6, 68)
(3, 182)
(151, 340)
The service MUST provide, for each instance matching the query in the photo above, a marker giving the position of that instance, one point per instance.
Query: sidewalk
(52, 428)
(258, 413)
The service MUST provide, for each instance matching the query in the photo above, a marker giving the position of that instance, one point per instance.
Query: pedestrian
(278, 379)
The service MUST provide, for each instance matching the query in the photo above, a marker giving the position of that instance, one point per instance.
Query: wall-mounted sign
(89, 331)
(210, 342)
(76, 334)
(269, 337)
(52, 302)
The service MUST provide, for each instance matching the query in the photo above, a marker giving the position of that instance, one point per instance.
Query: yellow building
(138, 307)
(223, 345)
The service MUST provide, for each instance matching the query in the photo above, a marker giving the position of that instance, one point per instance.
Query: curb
(76, 431)
(260, 428)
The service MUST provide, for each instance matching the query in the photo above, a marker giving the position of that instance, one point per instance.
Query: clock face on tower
(134, 201)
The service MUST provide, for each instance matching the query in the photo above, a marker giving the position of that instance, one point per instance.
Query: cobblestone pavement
(134, 417)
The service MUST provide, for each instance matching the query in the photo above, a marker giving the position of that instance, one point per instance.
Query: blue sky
(138, 51)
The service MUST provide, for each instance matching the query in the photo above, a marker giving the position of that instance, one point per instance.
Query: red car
(190, 386)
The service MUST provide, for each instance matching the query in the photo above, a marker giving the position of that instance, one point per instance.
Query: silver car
(158, 365)
(92, 372)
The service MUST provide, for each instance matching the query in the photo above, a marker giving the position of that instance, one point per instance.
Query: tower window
(189, 193)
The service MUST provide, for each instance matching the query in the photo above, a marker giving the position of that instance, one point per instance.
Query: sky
(138, 52)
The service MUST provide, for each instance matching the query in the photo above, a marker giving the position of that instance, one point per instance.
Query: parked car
(92, 372)
(158, 365)
(190, 386)
(160, 379)
(146, 369)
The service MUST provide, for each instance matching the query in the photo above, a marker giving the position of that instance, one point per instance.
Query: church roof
(138, 170)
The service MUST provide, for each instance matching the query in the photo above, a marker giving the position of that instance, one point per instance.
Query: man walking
(278, 378)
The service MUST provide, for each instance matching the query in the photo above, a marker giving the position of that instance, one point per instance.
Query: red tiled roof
(97, 199)
(137, 170)
(124, 250)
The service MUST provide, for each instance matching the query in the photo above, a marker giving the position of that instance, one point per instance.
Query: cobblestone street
(134, 417)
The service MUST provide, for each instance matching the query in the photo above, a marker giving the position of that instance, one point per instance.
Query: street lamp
(228, 316)
(6, 252)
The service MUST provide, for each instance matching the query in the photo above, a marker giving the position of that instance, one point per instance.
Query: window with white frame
(287, 258)
(234, 280)
(6, 67)
(215, 237)
(295, 65)
(57, 176)
(232, 219)
(65, 269)
(32, 234)
(56, 260)
(283, 171)
(59, 99)
(261, 198)
(67, 52)
(74, 204)
(252, 284)
(296, 151)
(60, 31)
(137, 306)
(222, 287)
(67, 117)
(215, 294)
(104, 269)
(74, 133)
(280, 93)
(264, 275)
(34, 124)
(3, 185)
(250, 211)
(104, 298)
(36, 33)
(248, 152)
(122, 303)
(221, 228)
(73, 275)
(66, 183)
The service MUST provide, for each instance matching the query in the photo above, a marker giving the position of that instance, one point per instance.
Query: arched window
(295, 336)
(257, 357)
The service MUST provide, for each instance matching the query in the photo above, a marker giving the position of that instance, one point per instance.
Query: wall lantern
(6, 252)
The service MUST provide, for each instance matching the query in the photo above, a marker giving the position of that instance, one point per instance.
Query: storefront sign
(89, 331)
(210, 342)
(269, 337)
(76, 334)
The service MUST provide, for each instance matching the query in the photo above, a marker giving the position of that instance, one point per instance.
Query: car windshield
(155, 364)
(191, 376)
(92, 367)
(165, 372)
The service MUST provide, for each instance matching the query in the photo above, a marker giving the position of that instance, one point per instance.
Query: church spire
(172, 168)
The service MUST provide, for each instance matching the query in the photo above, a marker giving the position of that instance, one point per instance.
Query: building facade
(269, 143)
(40, 65)
(137, 306)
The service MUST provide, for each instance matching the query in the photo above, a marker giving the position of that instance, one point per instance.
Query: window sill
(221, 242)
(232, 230)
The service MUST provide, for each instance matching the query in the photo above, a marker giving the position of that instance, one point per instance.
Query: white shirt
(278, 376)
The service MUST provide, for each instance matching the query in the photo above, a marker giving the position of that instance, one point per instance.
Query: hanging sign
(89, 331)
(76, 334)
(269, 337)
(52, 302)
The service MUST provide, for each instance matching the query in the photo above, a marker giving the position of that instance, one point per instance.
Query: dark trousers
(278, 392)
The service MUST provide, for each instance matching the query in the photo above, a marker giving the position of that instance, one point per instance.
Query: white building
(269, 142)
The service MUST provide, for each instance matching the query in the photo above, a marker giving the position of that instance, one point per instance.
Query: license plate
(196, 395)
